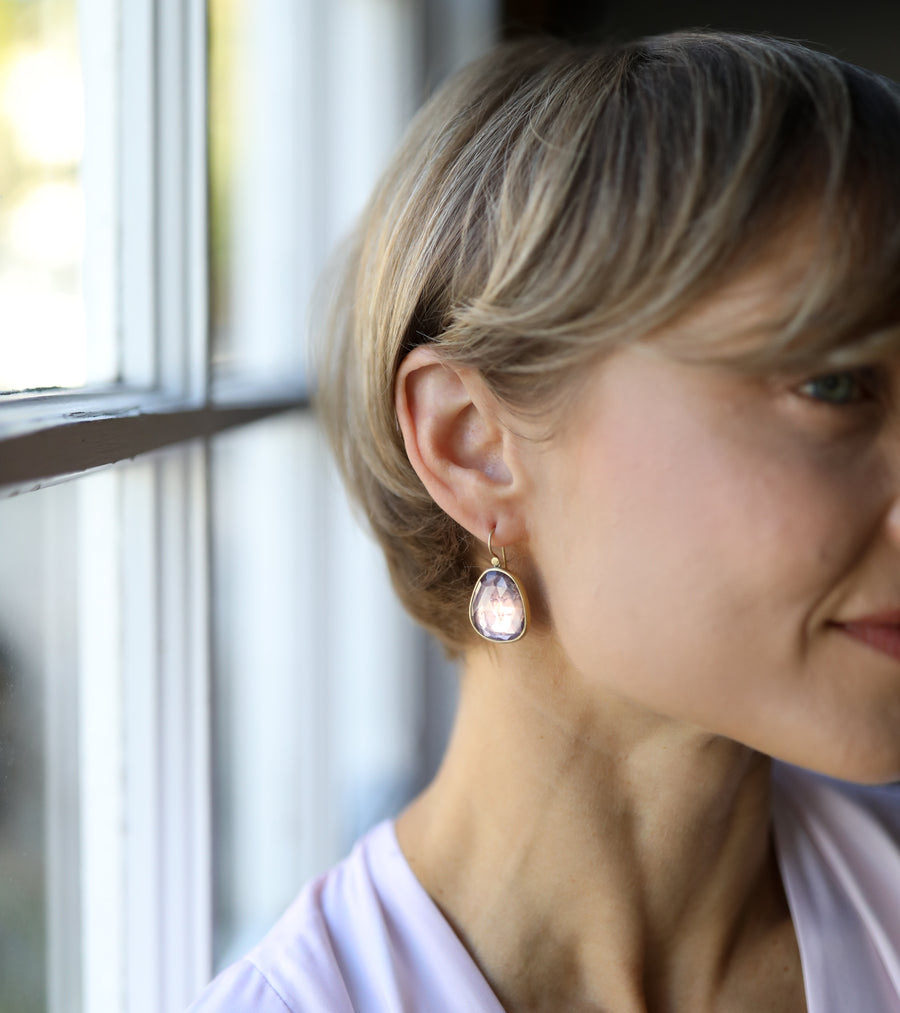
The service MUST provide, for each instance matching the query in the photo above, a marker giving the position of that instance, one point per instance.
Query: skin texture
(689, 537)
(709, 530)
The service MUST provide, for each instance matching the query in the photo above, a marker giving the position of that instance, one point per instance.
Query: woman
(615, 375)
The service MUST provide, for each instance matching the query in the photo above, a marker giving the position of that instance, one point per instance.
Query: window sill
(49, 436)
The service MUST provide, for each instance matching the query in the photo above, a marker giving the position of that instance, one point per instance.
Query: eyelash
(866, 387)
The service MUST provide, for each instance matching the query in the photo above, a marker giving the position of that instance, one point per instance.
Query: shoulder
(363, 938)
(303, 963)
(838, 846)
(241, 988)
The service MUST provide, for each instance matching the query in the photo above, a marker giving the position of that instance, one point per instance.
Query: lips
(880, 632)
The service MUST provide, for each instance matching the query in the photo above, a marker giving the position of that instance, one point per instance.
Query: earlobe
(456, 442)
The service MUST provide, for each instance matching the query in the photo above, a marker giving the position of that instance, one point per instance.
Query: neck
(628, 849)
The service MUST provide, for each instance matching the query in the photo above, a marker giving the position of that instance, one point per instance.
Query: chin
(873, 777)
(872, 764)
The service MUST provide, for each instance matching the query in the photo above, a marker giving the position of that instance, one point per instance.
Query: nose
(893, 520)
(893, 516)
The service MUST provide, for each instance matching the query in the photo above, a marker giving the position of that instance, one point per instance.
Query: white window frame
(130, 915)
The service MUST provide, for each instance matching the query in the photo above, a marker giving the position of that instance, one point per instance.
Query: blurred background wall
(867, 33)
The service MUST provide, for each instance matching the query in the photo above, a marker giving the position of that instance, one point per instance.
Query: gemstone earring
(497, 609)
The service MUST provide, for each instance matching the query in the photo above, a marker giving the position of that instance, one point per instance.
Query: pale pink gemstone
(497, 608)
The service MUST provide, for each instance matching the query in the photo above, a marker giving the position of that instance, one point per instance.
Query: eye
(847, 387)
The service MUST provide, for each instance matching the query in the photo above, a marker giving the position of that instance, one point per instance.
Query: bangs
(816, 278)
(659, 176)
(834, 239)
(824, 292)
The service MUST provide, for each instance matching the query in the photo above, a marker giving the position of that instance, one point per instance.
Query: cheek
(685, 551)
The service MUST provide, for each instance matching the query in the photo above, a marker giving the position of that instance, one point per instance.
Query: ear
(458, 445)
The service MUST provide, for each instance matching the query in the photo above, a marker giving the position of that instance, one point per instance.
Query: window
(187, 731)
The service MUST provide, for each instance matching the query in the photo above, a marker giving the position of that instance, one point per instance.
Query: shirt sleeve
(240, 988)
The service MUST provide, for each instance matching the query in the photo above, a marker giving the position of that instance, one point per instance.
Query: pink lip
(889, 617)
(880, 632)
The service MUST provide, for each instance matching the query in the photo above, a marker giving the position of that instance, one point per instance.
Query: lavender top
(367, 938)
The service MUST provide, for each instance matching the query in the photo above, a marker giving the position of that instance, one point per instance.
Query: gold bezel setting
(517, 601)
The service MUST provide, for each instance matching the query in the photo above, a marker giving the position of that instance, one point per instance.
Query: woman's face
(701, 537)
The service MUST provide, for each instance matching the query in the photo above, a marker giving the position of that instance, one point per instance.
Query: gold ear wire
(494, 560)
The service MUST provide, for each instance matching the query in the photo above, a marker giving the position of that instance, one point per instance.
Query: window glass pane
(222, 143)
(318, 690)
(307, 101)
(22, 900)
(38, 847)
(42, 340)
(261, 154)
(104, 904)
(273, 814)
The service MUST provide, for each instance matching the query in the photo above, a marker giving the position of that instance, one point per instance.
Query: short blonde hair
(552, 202)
